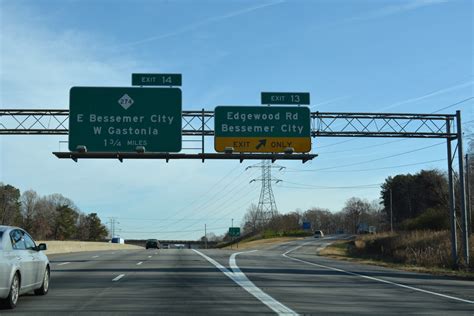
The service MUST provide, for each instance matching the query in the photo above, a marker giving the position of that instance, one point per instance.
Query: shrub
(434, 219)
(422, 248)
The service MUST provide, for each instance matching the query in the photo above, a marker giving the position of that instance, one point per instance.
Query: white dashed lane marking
(118, 277)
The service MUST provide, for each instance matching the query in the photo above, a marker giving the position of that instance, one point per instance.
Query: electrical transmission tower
(267, 208)
(113, 222)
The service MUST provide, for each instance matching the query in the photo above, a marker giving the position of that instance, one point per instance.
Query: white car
(318, 234)
(23, 266)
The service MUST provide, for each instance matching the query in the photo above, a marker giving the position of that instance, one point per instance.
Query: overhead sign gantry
(323, 124)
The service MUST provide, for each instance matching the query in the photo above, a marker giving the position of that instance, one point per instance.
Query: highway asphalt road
(285, 279)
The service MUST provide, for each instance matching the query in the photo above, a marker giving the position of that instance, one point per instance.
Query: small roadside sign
(234, 231)
(156, 80)
(306, 225)
(300, 98)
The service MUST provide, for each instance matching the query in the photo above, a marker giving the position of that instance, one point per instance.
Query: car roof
(5, 228)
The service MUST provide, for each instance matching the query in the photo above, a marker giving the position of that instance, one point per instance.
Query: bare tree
(10, 205)
(355, 211)
(29, 200)
(251, 220)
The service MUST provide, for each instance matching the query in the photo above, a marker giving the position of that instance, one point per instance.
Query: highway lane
(170, 281)
(222, 282)
(315, 285)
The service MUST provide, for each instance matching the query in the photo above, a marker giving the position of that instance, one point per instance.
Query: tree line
(51, 217)
(407, 201)
(355, 212)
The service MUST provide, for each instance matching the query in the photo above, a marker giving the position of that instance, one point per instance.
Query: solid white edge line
(374, 279)
(118, 277)
(63, 263)
(241, 279)
(139, 263)
(95, 256)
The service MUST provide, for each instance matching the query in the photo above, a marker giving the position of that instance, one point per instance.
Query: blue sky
(359, 56)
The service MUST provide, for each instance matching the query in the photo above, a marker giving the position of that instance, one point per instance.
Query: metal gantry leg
(452, 210)
(465, 235)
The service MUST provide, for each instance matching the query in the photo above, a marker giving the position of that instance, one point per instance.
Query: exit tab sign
(156, 79)
(300, 98)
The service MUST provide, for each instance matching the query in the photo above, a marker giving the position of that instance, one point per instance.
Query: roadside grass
(255, 243)
(266, 234)
(420, 251)
(57, 246)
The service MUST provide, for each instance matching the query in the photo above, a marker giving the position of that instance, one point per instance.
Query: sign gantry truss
(200, 123)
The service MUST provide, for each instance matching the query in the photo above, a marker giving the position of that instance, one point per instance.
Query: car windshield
(295, 157)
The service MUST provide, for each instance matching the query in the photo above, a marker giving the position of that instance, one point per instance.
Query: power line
(454, 104)
(206, 192)
(331, 187)
(441, 109)
(210, 200)
(220, 197)
(383, 168)
(338, 143)
(228, 202)
(233, 210)
(361, 148)
(368, 161)
(169, 232)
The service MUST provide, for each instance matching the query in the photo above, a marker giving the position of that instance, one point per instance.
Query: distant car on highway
(23, 266)
(318, 234)
(152, 243)
(166, 246)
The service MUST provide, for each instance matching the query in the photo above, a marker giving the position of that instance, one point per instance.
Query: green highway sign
(113, 119)
(301, 98)
(234, 231)
(262, 128)
(156, 79)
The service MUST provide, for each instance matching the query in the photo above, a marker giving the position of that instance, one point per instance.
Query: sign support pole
(452, 210)
(465, 235)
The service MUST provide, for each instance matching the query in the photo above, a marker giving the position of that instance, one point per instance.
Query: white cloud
(39, 65)
(428, 95)
(194, 26)
(398, 7)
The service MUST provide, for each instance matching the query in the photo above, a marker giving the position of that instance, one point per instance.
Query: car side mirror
(41, 247)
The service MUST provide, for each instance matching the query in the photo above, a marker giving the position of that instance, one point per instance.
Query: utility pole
(468, 194)
(205, 236)
(266, 208)
(391, 212)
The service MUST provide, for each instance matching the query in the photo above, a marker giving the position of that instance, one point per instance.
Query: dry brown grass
(262, 243)
(57, 246)
(419, 248)
(418, 251)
